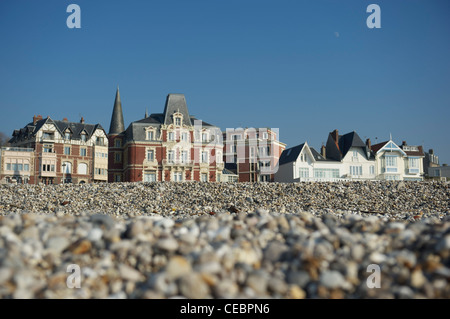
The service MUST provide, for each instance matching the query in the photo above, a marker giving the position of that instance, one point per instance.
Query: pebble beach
(226, 240)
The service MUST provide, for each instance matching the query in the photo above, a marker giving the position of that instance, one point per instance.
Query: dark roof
(349, 140)
(231, 167)
(290, 154)
(345, 142)
(228, 172)
(76, 129)
(317, 155)
(376, 147)
(176, 103)
(117, 125)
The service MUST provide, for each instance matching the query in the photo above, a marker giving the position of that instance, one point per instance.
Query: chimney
(368, 147)
(431, 151)
(36, 118)
(335, 136)
(323, 151)
(65, 119)
(82, 120)
(404, 143)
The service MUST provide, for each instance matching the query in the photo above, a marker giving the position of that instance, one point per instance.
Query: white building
(347, 157)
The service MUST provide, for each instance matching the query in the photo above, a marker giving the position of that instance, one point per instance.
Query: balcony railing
(17, 149)
(177, 162)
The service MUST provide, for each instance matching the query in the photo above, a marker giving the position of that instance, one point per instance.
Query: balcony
(177, 163)
(47, 155)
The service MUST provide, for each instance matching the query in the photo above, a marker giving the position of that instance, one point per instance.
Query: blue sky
(305, 67)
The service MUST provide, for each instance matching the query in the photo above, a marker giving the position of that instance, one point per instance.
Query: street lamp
(64, 171)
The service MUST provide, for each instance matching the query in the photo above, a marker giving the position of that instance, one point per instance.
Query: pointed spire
(390, 136)
(117, 126)
(146, 112)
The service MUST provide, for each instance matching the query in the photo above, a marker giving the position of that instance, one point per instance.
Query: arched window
(66, 168)
(82, 169)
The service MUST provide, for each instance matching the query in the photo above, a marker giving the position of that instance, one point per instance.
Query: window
(150, 177)
(171, 136)
(150, 135)
(118, 157)
(184, 137)
(436, 173)
(178, 121)
(233, 148)
(170, 156)
(304, 172)
(67, 135)
(265, 136)
(178, 176)
(236, 137)
(48, 148)
(219, 158)
(204, 177)
(66, 150)
(204, 137)
(52, 168)
(66, 168)
(356, 170)
(355, 153)
(150, 155)
(326, 173)
(83, 152)
(390, 163)
(26, 167)
(83, 137)
(118, 143)
(8, 167)
(413, 163)
(372, 170)
(184, 157)
(204, 157)
(47, 135)
(82, 168)
(117, 178)
(252, 152)
(99, 141)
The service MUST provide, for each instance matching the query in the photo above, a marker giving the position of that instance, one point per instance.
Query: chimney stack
(323, 151)
(65, 119)
(431, 151)
(368, 143)
(36, 118)
(335, 136)
(404, 143)
(82, 120)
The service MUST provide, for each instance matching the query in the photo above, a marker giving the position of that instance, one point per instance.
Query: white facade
(390, 163)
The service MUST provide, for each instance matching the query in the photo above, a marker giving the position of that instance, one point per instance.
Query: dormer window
(83, 137)
(67, 135)
(178, 118)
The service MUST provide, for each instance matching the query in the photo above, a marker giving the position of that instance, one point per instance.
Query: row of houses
(176, 146)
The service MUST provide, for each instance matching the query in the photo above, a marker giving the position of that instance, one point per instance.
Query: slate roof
(290, 154)
(174, 103)
(30, 130)
(345, 142)
(317, 155)
(117, 125)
